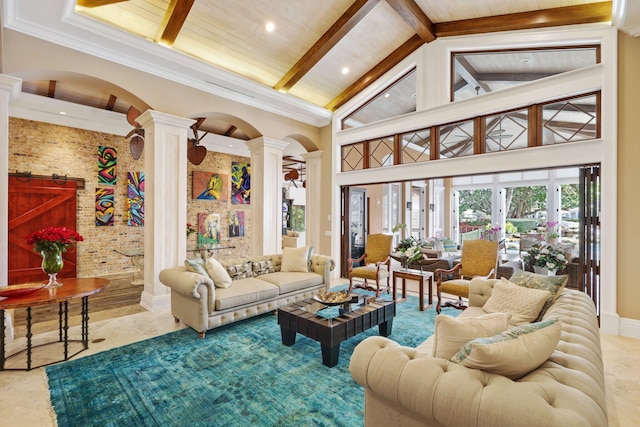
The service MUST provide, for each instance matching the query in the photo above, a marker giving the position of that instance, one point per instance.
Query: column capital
(158, 117)
(264, 142)
(312, 155)
(12, 85)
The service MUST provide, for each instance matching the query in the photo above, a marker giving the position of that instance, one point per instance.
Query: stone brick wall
(45, 149)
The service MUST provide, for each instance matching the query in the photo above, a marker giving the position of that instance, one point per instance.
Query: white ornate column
(313, 178)
(266, 195)
(10, 88)
(165, 201)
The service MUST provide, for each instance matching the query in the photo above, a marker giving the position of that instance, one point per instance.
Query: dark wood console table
(71, 288)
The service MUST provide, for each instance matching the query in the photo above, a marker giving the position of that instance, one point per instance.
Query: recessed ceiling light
(63, 113)
(270, 27)
(345, 70)
(386, 95)
(523, 60)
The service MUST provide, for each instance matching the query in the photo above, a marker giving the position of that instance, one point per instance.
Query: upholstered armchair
(375, 263)
(479, 258)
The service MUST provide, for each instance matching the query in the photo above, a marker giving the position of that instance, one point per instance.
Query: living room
(615, 152)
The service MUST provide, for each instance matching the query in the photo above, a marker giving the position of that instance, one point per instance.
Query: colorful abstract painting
(210, 186)
(104, 206)
(107, 165)
(208, 228)
(135, 199)
(240, 183)
(236, 223)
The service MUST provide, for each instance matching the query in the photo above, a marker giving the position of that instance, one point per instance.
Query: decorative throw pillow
(513, 353)
(553, 284)
(449, 245)
(262, 267)
(451, 333)
(309, 255)
(522, 303)
(295, 259)
(218, 273)
(196, 265)
(240, 271)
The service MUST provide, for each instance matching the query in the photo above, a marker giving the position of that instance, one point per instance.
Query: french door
(354, 225)
(589, 256)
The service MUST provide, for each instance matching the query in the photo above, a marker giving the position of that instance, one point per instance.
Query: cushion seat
(291, 281)
(458, 287)
(369, 272)
(245, 291)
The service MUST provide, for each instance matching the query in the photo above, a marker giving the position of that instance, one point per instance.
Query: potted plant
(545, 259)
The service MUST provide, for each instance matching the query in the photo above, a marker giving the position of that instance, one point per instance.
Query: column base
(155, 302)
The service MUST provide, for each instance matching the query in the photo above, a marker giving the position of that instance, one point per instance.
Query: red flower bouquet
(53, 237)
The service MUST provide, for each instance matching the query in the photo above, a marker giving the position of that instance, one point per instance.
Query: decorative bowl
(332, 298)
(20, 290)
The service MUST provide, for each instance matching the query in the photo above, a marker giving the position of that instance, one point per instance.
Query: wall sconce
(409, 204)
(432, 207)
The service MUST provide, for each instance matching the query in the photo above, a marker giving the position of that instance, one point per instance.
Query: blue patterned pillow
(553, 284)
(196, 265)
(513, 353)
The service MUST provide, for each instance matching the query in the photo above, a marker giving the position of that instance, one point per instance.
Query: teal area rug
(239, 375)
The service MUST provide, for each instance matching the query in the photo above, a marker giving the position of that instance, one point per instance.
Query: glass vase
(52, 264)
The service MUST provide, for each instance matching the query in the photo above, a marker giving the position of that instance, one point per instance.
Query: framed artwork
(208, 228)
(135, 199)
(209, 186)
(236, 223)
(240, 183)
(104, 207)
(107, 165)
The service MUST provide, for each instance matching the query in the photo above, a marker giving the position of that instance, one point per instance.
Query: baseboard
(630, 328)
(155, 302)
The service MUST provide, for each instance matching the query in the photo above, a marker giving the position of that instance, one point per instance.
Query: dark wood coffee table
(302, 317)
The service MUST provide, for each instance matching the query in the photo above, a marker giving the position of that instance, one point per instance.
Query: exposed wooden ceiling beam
(173, 21)
(415, 18)
(111, 102)
(512, 77)
(51, 93)
(97, 3)
(376, 72)
(358, 10)
(230, 131)
(468, 73)
(570, 15)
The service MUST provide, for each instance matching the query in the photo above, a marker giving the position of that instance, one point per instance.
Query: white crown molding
(43, 109)
(55, 21)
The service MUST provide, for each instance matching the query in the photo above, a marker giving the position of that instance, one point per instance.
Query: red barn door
(36, 203)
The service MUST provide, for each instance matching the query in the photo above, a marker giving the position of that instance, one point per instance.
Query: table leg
(395, 289)
(330, 355)
(288, 336)
(2, 340)
(421, 297)
(85, 322)
(29, 334)
(384, 328)
(65, 328)
(60, 322)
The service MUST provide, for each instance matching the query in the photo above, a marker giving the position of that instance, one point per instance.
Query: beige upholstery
(199, 304)
(377, 263)
(479, 258)
(407, 387)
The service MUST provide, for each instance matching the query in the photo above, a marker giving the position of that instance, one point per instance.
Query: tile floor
(25, 396)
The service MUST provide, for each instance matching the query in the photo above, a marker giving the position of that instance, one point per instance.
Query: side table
(418, 276)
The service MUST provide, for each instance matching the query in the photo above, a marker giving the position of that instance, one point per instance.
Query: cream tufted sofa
(407, 387)
(199, 304)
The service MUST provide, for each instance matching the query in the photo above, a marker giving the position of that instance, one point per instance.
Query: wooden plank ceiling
(314, 40)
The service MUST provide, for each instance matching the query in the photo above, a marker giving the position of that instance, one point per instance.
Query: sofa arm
(187, 283)
(323, 265)
(442, 393)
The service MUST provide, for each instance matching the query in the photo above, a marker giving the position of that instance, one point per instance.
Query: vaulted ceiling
(313, 43)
